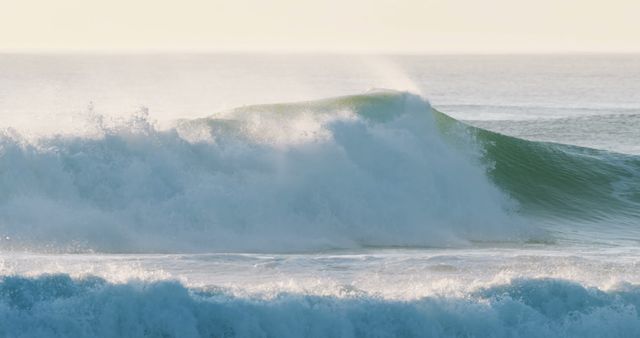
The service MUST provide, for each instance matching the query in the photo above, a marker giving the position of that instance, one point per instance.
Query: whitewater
(273, 196)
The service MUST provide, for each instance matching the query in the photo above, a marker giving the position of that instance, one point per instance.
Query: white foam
(369, 170)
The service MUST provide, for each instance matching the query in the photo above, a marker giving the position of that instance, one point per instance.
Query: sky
(378, 26)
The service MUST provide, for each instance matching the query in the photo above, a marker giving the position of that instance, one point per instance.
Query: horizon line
(306, 51)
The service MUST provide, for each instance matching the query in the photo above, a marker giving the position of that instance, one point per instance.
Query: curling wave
(379, 169)
(365, 170)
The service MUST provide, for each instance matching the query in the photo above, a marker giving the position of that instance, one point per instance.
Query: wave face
(557, 182)
(59, 306)
(366, 170)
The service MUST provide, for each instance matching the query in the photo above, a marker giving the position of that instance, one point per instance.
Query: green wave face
(550, 181)
(556, 181)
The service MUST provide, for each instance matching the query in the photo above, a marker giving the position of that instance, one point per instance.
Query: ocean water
(319, 196)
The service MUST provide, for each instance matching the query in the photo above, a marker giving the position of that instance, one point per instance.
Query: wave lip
(354, 171)
(59, 306)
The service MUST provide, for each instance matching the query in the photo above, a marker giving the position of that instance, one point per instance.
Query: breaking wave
(59, 306)
(378, 169)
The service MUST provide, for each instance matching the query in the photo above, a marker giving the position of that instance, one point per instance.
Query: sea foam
(59, 306)
(364, 170)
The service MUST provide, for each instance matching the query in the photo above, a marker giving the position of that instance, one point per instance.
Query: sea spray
(364, 170)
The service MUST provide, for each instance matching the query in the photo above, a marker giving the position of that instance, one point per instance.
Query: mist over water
(50, 93)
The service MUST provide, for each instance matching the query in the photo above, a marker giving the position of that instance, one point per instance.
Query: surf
(59, 306)
(381, 169)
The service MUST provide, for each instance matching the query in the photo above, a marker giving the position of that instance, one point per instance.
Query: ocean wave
(381, 169)
(558, 181)
(59, 306)
(364, 170)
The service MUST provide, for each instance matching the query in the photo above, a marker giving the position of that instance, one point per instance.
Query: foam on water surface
(508, 292)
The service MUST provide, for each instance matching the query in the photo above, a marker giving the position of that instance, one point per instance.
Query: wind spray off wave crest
(365, 170)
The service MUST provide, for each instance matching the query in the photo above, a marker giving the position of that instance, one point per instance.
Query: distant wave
(59, 306)
(378, 169)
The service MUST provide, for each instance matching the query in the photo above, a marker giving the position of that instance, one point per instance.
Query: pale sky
(381, 26)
